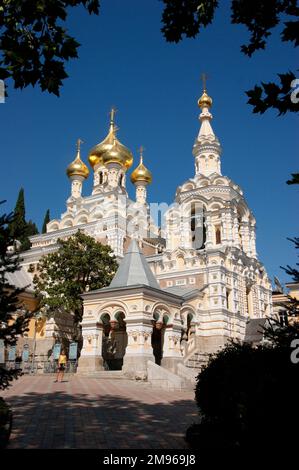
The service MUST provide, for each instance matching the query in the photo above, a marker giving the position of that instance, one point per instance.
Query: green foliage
(295, 179)
(272, 95)
(187, 17)
(246, 399)
(34, 42)
(5, 423)
(18, 223)
(10, 327)
(293, 272)
(20, 229)
(46, 221)
(79, 264)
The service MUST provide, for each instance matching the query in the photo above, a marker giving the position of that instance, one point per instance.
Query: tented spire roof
(134, 270)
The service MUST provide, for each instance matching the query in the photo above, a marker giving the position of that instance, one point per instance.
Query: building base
(135, 367)
(89, 364)
(171, 363)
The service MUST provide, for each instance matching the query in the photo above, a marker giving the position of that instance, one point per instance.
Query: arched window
(197, 226)
(228, 299)
(101, 178)
(249, 301)
(121, 178)
(218, 235)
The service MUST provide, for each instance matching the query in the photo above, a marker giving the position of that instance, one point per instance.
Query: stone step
(202, 356)
(107, 375)
(197, 360)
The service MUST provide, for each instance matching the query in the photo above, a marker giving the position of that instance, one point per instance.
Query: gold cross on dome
(79, 142)
(112, 113)
(141, 150)
(204, 81)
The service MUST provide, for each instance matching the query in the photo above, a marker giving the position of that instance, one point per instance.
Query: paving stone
(89, 413)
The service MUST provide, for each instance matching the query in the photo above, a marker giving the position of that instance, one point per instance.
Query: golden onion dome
(110, 150)
(141, 173)
(118, 153)
(77, 167)
(205, 101)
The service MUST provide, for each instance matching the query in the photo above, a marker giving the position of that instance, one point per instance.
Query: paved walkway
(93, 413)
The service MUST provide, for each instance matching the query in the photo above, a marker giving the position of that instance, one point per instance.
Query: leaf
(291, 32)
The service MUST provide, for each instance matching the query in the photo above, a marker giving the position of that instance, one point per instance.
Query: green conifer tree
(17, 227)
(20, 229)
(46, 221)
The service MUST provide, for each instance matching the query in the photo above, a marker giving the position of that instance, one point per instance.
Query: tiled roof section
(20, 279)
(182, 291)
(134, 270)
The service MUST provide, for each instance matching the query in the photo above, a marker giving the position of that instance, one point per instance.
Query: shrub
(246, 397)
(5, 423)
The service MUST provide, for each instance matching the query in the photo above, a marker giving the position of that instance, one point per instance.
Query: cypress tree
(46, 221)
(17, 226)
(20, 229)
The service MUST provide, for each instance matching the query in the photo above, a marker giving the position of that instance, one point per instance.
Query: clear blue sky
(125, 61)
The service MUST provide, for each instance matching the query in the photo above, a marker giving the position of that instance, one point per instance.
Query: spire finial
(79, 142)
(77, 167)
(113, 127)
(141, 150)
(112, 114)
(204, 81)
(205, 101)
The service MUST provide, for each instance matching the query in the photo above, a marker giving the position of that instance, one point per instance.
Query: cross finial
(79, 142)
(112, 114)
(141, 150)
(204, 81)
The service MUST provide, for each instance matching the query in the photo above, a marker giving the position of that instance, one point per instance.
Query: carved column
(172, 354)
(209, 232)
(229, 222)
(91, 355)
(139, 349)
(253, 241)
(236, 240)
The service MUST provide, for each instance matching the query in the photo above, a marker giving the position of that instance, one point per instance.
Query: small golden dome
(205, 101)
(141, 173)
(77, 167)
(110, 150)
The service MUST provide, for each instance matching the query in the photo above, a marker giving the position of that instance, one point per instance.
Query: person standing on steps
(62, 360)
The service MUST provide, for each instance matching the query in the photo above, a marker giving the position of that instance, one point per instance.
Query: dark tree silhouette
(295, 179)
(187, 18)
(34, 42)
(46, 221)
(20, 230)
(13, 320)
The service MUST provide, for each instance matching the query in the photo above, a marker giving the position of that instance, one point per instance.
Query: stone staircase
(107, 375)
(196, 360)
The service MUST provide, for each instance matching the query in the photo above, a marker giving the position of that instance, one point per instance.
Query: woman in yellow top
(61, 366)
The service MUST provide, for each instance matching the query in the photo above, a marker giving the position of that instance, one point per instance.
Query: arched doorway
(187, 335)
(114, 341)
(120, 339)
(159, 325)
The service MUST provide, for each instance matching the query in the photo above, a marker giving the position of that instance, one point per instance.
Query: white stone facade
(204, 258)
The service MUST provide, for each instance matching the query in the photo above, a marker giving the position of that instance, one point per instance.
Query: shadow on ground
(62, 420)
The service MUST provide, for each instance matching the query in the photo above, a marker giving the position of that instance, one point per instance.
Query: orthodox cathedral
(182, 289)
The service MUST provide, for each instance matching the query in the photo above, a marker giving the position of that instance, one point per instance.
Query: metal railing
(46, 367)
